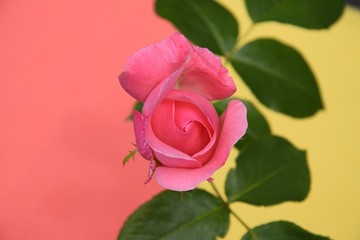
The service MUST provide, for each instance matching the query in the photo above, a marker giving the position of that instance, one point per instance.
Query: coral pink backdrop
(63, 132)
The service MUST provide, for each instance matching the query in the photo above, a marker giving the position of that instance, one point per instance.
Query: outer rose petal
(141, 142)
(206, 75)
(234, 124)
(159, 93)
(203, 71)
(151, 65)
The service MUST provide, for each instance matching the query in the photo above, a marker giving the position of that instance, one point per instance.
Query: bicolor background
(63, 128)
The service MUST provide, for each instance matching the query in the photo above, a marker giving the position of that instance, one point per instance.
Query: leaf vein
(194, 220)
(259, 182)
(282, 78)
(207, 22)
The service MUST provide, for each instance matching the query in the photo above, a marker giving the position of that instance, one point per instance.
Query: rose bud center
(182, 126)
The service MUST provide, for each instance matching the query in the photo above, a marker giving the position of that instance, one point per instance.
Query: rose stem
(238, 43)
(231, 211)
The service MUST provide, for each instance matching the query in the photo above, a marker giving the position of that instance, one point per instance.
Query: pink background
(63, 132)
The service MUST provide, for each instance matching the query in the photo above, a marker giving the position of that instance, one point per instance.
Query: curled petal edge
(141, 143)
(233, 127)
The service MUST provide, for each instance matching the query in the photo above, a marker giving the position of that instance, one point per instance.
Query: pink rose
(179, 130)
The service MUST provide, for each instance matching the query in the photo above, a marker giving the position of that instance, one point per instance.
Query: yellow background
(331, 137)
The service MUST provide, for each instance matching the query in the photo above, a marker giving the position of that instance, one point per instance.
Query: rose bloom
(179, 131)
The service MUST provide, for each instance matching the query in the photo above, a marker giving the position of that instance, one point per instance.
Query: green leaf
(220, 106)
(269, 171)
(313, 14)
(281, 230)
(138, 107)
(257, 124)
(279, 77)
(205, 22)
(199, 216)
(129, 156)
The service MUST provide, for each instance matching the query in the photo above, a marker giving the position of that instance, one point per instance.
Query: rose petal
(234, 124)
(188, 136)
(166, 154)
(200, 102)
(176, 160)
(159, 93)
(169, 155)
(209, 112)
(146, 68)
(141, 142)
(206, 75)
(150, 144)
(182, 179)
(203, 71)
(186, 112)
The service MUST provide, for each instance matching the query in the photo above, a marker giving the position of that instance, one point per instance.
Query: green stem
(182, 197)
(246, 33)
(239, 42)
(227, 205)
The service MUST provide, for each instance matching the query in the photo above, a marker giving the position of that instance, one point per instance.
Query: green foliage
(269, 171)
(199, 216)
(129, 156)
(205, 22)
(279, 77)
(257, 124)
(281, 230)
(138, 107)
(220, 106)
(313, 14)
